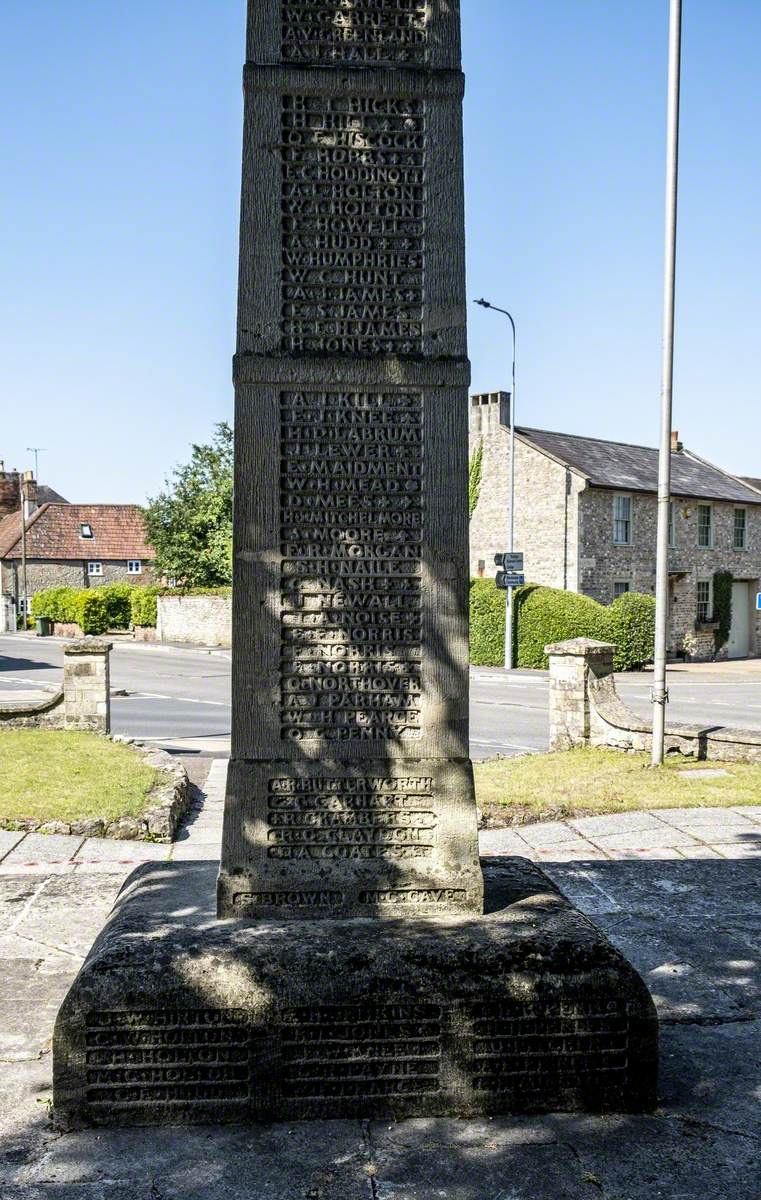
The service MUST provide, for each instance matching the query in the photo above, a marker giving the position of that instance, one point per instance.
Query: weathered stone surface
(176, 1017)
(350, 789)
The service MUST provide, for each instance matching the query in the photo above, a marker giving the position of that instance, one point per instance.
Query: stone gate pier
(355, 964)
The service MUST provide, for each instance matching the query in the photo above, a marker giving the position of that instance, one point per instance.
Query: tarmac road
(180, 697)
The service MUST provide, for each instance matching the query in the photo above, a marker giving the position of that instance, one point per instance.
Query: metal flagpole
(660, 692)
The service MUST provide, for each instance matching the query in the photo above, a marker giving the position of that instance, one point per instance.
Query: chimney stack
(30, 494)
(10, 500)
(676, 445)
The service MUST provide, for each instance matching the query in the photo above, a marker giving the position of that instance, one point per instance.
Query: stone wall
(67, 573)
(586, 710)
(603, 563)
(84, 701)
(545, 510)
(200, 620)
(86, 685)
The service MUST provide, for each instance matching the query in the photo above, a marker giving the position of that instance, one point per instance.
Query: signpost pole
(509, 611)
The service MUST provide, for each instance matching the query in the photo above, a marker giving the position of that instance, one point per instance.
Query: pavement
(179, 697)
(679, 892)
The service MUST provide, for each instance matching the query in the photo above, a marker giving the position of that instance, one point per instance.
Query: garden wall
(200, 620)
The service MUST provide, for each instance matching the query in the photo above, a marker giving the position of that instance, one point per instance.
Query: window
(95, 568)
(741, 529)
(622, 520)
(672, 526)
(85, 530)
(620, 588)
(705, 600)
(705, 526)
(134, 566)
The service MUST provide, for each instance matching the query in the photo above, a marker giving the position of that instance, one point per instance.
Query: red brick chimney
(10, 500)
(676, 445)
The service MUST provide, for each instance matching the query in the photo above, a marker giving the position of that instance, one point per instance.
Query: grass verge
(590, 783)
(57, 775)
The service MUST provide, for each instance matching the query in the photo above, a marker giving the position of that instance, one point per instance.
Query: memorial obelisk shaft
(350, 790)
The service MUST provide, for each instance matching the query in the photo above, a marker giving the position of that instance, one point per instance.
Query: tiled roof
(635, 468)
(756, 483)
(54, 532)
(48, 495)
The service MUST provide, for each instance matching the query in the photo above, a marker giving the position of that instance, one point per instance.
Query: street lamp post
(511, 525)
(660, 693)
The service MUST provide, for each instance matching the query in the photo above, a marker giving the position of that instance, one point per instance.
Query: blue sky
(120, 143)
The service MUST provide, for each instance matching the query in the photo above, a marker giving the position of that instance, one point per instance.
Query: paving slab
(130, 853)
(707, 816)
(594, 828)
(43, 848)
(8, 839)
(664, 838)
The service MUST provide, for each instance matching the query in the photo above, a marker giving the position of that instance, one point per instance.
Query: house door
(739, 634)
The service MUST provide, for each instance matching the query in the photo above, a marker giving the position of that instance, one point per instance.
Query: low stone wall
(144, 633)
(586, 710)
(200, 620)
(168, 802)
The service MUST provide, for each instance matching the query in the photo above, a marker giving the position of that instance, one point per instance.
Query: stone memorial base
(178, 1018)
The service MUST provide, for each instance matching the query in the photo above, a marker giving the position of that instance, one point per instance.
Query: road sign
(510, 562)
(758, 601)
(509, 579)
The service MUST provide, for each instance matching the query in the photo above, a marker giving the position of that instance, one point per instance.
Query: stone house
(68, 545)
(585, 519)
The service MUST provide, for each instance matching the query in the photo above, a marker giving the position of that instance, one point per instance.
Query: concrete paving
(679, 891)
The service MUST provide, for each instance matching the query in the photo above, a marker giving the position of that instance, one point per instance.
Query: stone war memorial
(346, 958)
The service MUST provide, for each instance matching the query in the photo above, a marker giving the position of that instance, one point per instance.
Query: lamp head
(483, 303)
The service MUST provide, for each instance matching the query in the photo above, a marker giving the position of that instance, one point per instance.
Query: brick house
(69, 545)
(585, 519)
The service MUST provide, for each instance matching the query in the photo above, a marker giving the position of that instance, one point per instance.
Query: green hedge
(95, 609)
(487, 624)
(545, 615)
(143, 606)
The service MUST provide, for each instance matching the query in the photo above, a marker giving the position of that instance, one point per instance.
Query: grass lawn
(57, 775)
(588, 783)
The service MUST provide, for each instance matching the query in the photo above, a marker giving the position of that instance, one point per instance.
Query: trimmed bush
(632, 628)
(487, 624)
(117, 599)
(143, 606)
(91, 611)
(546, 615)
(53, 603)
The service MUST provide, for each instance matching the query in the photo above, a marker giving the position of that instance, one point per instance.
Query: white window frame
(85, 525)
(619, 496)
(672, 526)
(134, 566)
(735, 528)
(95, 568)
(709, 545)
(624, 585)
(704, 620)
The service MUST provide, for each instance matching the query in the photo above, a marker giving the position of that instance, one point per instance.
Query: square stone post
(570, 666)
(86, 685)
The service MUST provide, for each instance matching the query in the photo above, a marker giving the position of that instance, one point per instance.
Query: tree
(190, 524)
(475, 471)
